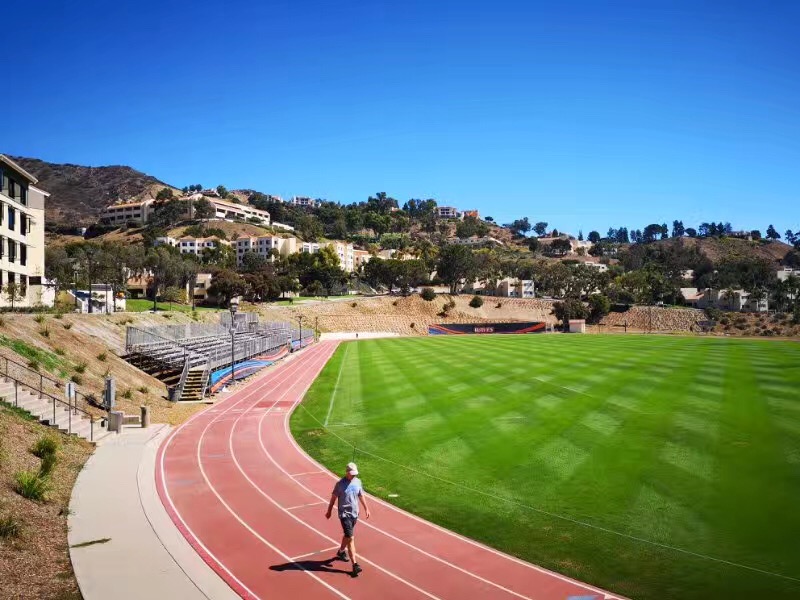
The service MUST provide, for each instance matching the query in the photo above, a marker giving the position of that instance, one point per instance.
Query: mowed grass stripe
(630, 433)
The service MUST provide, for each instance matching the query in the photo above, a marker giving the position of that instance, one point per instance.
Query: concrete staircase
(42, 408)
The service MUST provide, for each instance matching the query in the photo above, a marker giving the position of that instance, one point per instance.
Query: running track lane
(252, 504)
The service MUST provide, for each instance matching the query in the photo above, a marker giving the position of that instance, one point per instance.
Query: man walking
(348, 492)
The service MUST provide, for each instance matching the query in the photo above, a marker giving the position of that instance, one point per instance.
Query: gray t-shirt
(347, 493)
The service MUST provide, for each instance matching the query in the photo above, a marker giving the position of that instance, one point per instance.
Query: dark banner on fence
(472, 328)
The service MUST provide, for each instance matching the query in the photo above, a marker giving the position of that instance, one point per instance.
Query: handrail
(182, 381)
(71, 407)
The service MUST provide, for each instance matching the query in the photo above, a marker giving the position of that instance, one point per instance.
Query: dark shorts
(348, 524)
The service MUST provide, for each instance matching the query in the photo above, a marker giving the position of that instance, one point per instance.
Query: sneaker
(342, 555)
(356, 569)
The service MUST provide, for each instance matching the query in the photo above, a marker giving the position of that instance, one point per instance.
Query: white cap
(352, 468)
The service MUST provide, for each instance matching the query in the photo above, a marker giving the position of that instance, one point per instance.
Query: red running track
(252, 504)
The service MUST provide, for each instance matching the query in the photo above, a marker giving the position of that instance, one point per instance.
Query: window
(23, 254)
(12, 216)
(23, 224)
(23, 285)
(12, 251)
(2, 245)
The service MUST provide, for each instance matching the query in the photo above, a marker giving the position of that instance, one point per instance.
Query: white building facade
(22, 280)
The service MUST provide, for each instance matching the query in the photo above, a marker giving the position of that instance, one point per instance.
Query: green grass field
(144, 305)
(624, 461)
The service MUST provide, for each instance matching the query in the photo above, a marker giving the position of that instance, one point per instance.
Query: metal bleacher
(183, 356)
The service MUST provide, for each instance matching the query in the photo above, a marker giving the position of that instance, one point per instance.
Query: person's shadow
(310, 565)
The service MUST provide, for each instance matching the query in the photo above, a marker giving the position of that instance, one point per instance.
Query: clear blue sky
(582, 114)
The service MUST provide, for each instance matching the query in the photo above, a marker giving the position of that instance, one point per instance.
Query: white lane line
(306, 473)
(307, 504)
(315, 552)
(397, 539)
(296, 518)
(606, 595)
(214, 491)
(268, 376)
(336, 386)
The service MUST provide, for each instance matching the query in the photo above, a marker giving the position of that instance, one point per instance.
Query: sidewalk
(132, 549)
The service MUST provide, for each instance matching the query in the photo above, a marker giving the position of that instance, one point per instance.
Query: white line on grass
(336, 386)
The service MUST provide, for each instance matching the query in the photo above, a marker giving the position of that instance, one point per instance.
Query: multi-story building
(141, 212)
(516, 288)
(264, 245)
(360, 258)
(21, 238)
(447, 212)
(304, 201)
(343, 250)
(124, 212)
(471, 213)
(190, 245)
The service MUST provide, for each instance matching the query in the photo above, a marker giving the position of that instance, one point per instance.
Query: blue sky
(582, 114)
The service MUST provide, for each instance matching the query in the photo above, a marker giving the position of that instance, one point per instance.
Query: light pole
(300, 322)
(234, 305)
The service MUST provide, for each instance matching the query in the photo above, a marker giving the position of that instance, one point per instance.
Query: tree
(594, 236)
(252, 262)
(755, 234)
(540, 228)
(599, 306)
(772, 234)
(226, 284)
(533, 244)
(651, 233)
(471, 226)
(570, 308)
(204, 210)
(58, 268)
(173, 294)
(520, 227)
(580, 235)
(428, 294)
(664, 231)
(222, 191)
(456, 263)
(691, 232)
(14, 292)
(489, 219)
(559, 247)
(678, 229)
(555, 233)
(164, 194)
(166, 213)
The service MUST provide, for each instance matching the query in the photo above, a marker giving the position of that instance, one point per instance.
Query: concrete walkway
(123, 545)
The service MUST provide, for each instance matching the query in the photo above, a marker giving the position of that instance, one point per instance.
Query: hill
(78, 194)
(729, 248)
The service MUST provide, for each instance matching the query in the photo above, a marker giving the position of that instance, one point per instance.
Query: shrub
(44, 332)
(2, 321)
(45, 445)
(9, 527)
(30, 485)
(81, 367)
(354, 304)
(144, 389)
(476, 302)
(48, 464)
(67, 325)
(60, 351)
(33, 364)
(394, 303)
(76, 378)
(166, 315)
(127, 394)
(428, 294)
(713, 313)
(724, 320)
(499, 305)
(411, 325)
(58, 315)
(102, 357)
(39, 318)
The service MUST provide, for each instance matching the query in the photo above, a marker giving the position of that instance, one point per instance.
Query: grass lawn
(144, 305)
(624, 461)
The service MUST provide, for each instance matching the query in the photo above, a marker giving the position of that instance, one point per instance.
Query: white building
(516, 288)
(447, 212)
(738, 300)
(303, 201)
(21, 238)
(785, 272)
(343, 250)
(263, 246)
(142, 211)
